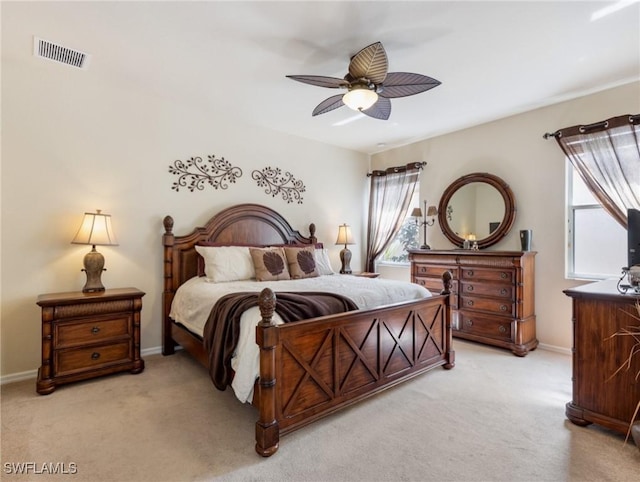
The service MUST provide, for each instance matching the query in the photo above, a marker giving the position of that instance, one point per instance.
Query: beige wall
(513, 149)
(79, 141)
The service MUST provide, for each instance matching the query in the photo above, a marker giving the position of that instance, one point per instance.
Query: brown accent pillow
(270, 264)
(302, 262)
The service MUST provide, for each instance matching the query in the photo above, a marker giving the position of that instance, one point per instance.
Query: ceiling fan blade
(371, 63)
(320, 81)
(402, 84)
(328, 105)
(380, 110)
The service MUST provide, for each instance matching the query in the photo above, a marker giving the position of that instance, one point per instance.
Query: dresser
(599, 396)
(492, 293)
(85, 335)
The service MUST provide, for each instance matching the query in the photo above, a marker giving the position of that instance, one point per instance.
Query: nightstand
(86, 335)
(366, 274)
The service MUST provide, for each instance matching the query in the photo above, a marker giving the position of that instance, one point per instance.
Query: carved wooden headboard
(243, 224)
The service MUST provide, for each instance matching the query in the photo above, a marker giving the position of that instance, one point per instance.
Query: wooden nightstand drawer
(478, 325)
(79, 359)
(81, 332)
(488, 289)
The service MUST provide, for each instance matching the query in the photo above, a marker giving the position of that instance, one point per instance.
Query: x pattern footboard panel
(339, 361)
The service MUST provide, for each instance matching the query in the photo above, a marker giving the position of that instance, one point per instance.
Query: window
(596, 243)
(406, 238)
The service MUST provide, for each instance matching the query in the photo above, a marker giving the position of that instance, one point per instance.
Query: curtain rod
(633, 119)
(389, 170)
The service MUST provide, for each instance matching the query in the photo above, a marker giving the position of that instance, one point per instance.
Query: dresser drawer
(433, 271)
(435, 284)
(79, 359)
(488, 289)
(478, 325)
(503, 307)
(486, 274)
(80, 332)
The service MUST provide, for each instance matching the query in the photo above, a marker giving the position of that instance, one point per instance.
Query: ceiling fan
(369, 85)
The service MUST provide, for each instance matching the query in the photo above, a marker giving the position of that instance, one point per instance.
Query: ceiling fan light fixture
(360, 98)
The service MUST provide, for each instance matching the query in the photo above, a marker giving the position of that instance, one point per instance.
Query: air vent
(51, 51)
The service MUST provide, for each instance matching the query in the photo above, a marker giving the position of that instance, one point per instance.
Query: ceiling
(494, 59)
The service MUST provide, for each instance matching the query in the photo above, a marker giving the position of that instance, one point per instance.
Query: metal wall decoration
(196, 172)
(276, 183)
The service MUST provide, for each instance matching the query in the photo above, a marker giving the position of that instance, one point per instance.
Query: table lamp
(95, 230)
(344, 237)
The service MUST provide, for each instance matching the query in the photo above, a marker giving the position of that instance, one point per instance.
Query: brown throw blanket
(222, 330)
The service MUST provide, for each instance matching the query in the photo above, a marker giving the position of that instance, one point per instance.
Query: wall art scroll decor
(276, 183)
(196, 172)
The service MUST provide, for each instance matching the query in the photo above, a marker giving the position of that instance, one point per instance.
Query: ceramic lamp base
(93, 267)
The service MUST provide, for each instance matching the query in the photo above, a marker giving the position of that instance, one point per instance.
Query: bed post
(267, 428)
(450, 353)
(168, 239)
(312, 234)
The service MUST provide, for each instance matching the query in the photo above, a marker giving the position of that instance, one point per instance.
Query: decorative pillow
(226, 263)
(323, 265)
(270, 264)
(302, 262)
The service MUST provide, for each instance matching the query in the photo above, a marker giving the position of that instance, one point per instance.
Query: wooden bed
(310, 368)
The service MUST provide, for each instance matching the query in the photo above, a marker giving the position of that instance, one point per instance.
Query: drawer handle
(502, 329)
(469, 322)
(423, 269)
(503, 275)
(95, 355)
(503, 308)
(469, 288)
(470, 303)
(503, 291)
(421, 282)
(95, 330)
(470, 273)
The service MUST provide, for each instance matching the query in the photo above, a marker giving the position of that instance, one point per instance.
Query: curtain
(389, 198)
(607, 157)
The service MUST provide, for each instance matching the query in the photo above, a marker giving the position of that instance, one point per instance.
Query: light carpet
(494, 417)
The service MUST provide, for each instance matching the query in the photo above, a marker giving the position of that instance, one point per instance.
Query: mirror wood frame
(509, 208)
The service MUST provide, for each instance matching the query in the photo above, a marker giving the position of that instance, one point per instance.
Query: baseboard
(556, 349)
(32, 374)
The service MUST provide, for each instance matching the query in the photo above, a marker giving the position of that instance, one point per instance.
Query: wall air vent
(51, 51)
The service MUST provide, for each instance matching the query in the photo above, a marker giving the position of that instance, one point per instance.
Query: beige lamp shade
(95, 230)
(344, 235)
(432, 211)
(416, 213)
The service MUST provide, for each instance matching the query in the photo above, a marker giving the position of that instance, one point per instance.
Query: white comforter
(194, 300)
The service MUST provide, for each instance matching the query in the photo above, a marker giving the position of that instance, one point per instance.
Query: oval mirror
(479, 207)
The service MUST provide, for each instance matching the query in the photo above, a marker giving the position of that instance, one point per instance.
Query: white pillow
(227, 263)
(323, 265)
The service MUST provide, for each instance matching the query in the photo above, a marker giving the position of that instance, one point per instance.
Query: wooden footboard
(310, 369)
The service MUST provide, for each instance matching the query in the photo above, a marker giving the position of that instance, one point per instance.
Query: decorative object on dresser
(430, 212)
(95, 230)
(599, 396)
(345, 237)
(526, 236)
(492, 294)
(86, 335)
(314, 367)
(472, 205)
